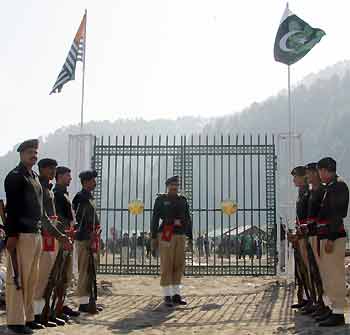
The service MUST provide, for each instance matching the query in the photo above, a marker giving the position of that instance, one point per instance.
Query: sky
(151, 58)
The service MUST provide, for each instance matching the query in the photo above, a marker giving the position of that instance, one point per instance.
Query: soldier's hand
(11, 244)
(189, 244)
(329, 246)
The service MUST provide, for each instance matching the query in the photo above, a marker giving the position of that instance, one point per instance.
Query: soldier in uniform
(24, 212)
(87, 241)
(66, 217)
(298, 240)
(50, 233)
(170, 224)
(331, 231)
(316, 193)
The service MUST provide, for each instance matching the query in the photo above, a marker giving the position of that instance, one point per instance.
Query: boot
(334, 320)
(19, 329)
(324, 316)
(309, 309)
(299, 305)
(68, 311)
(88, 308)
(58, 321)
(34, 325)
(168, 301)
(38, 319)
(177, 300)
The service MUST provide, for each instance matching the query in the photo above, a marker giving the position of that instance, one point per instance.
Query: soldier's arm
(155, 218)
(79, 207)
(14, 187)
(51, 227)
(339, 202)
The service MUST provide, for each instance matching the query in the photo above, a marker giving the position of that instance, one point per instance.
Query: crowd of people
(319, 242)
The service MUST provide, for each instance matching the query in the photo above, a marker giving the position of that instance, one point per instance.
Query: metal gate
(212, 170)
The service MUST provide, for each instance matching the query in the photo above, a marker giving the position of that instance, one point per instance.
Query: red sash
(168, 232)
(48, 241)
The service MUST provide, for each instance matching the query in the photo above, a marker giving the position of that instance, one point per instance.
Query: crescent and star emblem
(284, 40)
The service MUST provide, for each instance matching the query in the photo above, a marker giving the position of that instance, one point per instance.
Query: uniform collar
(86, 194)
(61, 188)
(25, 171)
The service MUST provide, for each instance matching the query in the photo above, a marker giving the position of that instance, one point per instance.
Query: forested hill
(321, 103)
(322, 109)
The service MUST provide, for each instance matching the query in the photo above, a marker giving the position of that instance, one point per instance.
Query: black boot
(309, 309)
(38, 319)
(68, 311)
(333, 321)
(168, 301)
(19, 329)
(325, 315)
(58, 321)
(34, 325)
(299, 305)
(88, 308)
(177, 300)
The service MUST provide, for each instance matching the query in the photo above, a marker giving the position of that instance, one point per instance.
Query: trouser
(314, 271)
(46, 263)
(172, 264)
(333, 275)
(125, 254)
(301, 272)
(83, 289)
(20, 303)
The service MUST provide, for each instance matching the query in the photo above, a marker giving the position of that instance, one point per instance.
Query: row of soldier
(42, 225)
(319, 242)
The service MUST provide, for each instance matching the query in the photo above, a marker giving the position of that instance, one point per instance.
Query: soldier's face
(48, 172)
(173, 189)
(299, 181)
(90, 185)
(324, 175)
(311, 176)
(65, 179)
(29, 157)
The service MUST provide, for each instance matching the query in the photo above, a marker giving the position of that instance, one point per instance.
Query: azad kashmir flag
(295, 38)
(76, 53)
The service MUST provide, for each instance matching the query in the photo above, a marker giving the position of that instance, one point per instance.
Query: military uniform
(24, 212)
(171, 223)
(87, 242)
(334, 208)
(50, 233)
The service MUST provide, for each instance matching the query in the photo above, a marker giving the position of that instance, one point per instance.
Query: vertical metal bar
(207, 197)
(238, 242)
(223, 238)
(166, 156)
(274, 203)
(214, 199)
(251, 202)
(199, 201)
(186, 174)
(129, 199)
(259, 204)
(244, 205)
(267, 209)
(137, 197)
(229, 196)
(151, 189)
(114, 237)
(107, 200)
(121, 209)
(144, 202)
(159, 155)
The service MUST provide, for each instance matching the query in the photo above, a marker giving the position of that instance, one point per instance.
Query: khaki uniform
(170, 224)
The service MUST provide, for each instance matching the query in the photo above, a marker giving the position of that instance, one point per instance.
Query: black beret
(327, 163)
(311, 166)
(172, 180)
(29, 144)
(87, 175)
(62, 170)
(47, 162)
(299, 171)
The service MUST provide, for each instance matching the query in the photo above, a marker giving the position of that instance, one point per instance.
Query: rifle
(13, 254)
(54, 280)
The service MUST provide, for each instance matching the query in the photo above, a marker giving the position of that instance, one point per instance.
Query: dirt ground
(222, 305)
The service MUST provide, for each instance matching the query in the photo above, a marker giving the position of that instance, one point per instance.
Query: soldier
(24, 212)
(331, 231)
(169, 236)
(50, 233)
(66, 217)
(87, 241)
(316, 194)
(298, 240)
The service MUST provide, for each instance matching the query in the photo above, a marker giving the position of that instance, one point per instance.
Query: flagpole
(83, 82)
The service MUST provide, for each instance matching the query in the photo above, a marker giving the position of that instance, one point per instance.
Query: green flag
(295, 38)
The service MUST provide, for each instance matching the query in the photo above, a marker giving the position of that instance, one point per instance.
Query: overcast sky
(151, 58)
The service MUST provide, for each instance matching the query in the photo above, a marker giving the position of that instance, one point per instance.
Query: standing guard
(66, 217)
(87, 241)
(169, 236)
(50, 233)
(24, 209)
(331, 231)
(298, 239)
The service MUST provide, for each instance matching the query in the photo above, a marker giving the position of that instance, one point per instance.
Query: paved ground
(222, 305)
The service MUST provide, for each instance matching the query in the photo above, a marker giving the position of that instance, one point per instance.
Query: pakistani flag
(295, 38)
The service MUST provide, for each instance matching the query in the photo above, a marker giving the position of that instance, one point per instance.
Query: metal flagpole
(83, 81)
